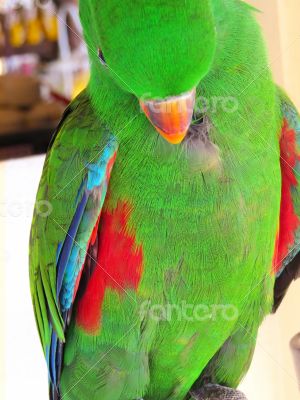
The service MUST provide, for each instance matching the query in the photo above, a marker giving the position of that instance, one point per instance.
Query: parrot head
(157, 50)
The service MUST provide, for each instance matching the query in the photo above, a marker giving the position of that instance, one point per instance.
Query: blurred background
(43, 65)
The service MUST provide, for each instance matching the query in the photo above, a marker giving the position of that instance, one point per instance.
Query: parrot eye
(102, 58)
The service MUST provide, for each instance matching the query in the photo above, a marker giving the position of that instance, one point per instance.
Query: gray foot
(217, 392)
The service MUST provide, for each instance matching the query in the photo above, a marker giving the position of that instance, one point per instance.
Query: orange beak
(171, 117)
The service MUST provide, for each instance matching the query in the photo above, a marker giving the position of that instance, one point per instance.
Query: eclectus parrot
(167, 218)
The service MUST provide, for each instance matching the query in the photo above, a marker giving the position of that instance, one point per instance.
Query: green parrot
(166, 224)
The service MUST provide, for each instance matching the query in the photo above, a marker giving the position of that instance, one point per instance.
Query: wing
(288, 249)
(67, 212)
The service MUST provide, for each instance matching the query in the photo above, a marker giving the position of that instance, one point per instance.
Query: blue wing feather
(68, 243)
(71, 253)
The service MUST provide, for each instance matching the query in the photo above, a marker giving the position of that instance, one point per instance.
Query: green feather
(208, 234)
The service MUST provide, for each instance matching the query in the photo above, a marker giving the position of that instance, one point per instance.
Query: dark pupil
(101, 57)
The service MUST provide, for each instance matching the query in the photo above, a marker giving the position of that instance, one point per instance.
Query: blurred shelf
(25, 142)
(47, 50)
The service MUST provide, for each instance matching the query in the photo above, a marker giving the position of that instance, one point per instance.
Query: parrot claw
(217, 392)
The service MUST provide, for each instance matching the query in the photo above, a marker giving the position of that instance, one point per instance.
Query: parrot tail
(54, 392)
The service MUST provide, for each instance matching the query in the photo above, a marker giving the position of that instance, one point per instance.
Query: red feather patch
(119, 266)
(289, 221)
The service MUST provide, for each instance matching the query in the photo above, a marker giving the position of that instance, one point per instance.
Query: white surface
(271, 377)
(26, 375)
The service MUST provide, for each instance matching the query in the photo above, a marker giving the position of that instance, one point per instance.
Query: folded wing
(68, 208)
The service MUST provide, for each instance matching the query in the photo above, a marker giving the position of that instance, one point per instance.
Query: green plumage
(207, 229)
